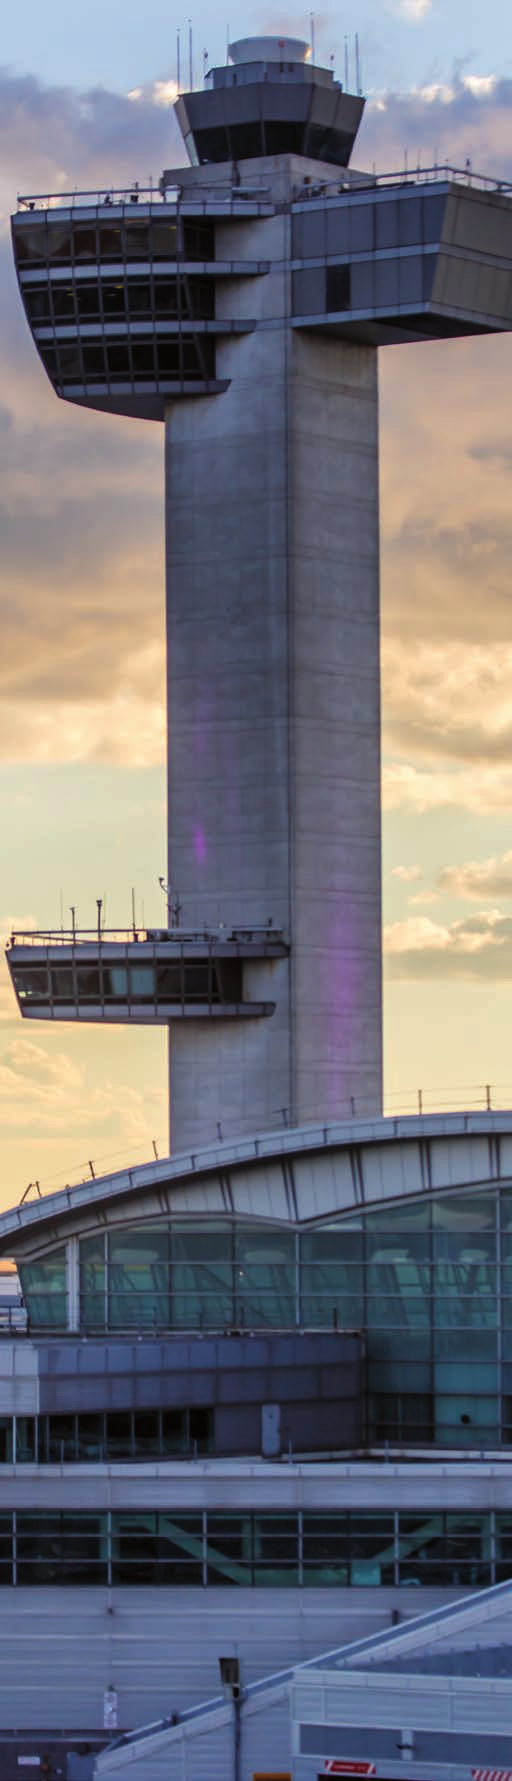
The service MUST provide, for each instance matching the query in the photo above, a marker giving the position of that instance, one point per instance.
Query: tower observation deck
(259, 281)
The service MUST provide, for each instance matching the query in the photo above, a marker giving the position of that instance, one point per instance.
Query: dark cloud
(53, 135)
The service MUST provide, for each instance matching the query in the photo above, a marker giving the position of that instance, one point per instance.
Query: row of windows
(179, 359)
(111, 1435)
(429, 1282)
(366, 284)
(181, 981)
(269, 136)
(438, 1271)
(126, 299)
(461, 1415)
(178, 1548)
(356, 226)
(91, 1437)
(129, 238)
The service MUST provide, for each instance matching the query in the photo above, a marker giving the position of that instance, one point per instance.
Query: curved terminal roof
(291, 1176)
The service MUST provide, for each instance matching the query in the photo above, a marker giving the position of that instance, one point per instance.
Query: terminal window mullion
(109, 1549)
(396, 1537)
(300, 1547)
(205, 1547)
(179, 298)
(14, 1550)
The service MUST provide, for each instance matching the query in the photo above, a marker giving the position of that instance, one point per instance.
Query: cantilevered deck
(142, 975)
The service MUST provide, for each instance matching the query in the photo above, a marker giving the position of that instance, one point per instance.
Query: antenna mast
(358, 66)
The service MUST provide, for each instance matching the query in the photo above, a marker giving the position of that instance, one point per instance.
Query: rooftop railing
(224, 191)
(172, 936)
(108, 197)
(442, 173)
(419, 1104)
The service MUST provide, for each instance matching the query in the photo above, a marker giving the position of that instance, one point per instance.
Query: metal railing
(174, 194)
(220, 935)
(439, 173)
(224, 191)
(416, 1103)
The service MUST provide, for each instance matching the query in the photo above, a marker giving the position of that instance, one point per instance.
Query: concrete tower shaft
(273, 677)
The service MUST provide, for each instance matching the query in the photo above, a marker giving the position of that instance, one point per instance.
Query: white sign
(110, 1710)
(29, 1762)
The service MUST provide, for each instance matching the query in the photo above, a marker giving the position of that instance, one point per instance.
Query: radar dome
(268, 49)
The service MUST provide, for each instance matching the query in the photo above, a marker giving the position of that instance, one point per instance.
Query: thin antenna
(205, 60)
(134, 924)
(190, 58)
(178, 59)
(358, 68)
(312, 18)
(346, 64)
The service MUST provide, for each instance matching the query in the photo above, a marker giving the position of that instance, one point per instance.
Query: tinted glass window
(30, 242)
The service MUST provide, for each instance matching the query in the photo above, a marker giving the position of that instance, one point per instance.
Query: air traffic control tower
(242, 305)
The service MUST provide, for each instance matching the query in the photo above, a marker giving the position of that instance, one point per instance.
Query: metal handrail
(420, 1105)
(152, 936)
(437, 173)
(105, 197)
(108, 197)
(100, 198)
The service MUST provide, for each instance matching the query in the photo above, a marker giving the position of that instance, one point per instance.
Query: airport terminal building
(258, 1402)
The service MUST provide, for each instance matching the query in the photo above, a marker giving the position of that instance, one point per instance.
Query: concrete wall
(61, 1648)
(273, 686)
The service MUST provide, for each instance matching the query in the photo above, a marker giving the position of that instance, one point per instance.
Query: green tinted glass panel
(202, 1276)
(464, 1212)
(92, 1282)
(229, 1549)
(138, 1278)
(44, 1288)
(404, 1216)
(265, 1276)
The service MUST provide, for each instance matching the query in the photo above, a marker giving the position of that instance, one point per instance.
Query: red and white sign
(334, 1766)
(491, 1774)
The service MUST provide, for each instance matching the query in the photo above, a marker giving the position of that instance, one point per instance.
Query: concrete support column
(273, 686)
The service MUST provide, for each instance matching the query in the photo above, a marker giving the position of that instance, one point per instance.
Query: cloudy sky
(84, 99)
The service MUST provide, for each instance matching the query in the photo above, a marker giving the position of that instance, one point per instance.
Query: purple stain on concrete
(200, 847)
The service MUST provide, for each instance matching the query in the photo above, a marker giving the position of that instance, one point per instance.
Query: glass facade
(119, 302)
(92, 1436)
(177, 983)
(271, 1549)
(429, 1282)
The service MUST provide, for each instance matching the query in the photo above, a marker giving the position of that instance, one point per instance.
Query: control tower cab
(269, 100)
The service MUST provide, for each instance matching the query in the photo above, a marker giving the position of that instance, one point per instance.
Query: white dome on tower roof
(269, 49)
